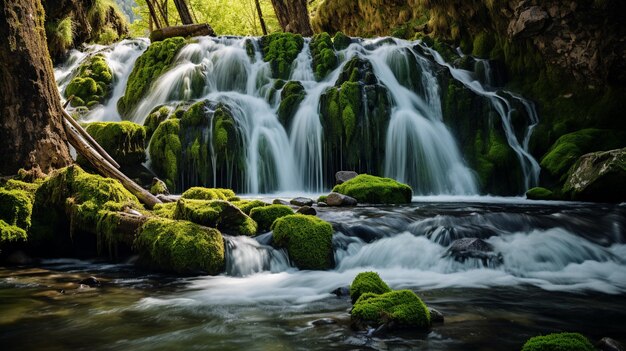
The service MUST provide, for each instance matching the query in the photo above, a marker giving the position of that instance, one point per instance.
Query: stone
(337, 199)
(91, 282)
(529, 22)
(158, 187)
(324, 321)
(322, 204)
(598, 177)
(280, 202)
(307, 210)
(462, 249)
(341, 291)
(302, 201)
(344, 176)
(435, 315)
(608, 344)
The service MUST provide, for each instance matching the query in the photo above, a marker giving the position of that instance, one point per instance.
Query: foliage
(367, 282)
(401, 306)
(371, 189)
(265, 216)
(308, 240)
(558, 342)
(180, 246)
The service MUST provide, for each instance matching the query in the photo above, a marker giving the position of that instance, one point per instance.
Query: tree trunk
(183, 11)
(31, 129)
(153, 15)
(258, 10)
(293, 16)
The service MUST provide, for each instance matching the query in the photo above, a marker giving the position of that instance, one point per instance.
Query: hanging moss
(180, 247)
(280, 49)
(165, 149)
(124, 141)
(155, 61)
(217, 214)
(401, 306)
(324, 57)
(16, 208)
(92, 85)
(291, 96)
(265, 216)
(308, 240)
(367, 282)
(558, 342)
(371, 189)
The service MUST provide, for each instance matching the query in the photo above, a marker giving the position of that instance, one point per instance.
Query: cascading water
(418, 147)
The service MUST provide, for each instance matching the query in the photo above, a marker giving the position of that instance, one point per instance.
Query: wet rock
(463, 249)
(324, 321)
(342, 291)
(337, 199)
(435, 315)
(599, 177)
(158, 187)
(302, 201)
(608, 344)
(343, 176)
(280, 202)
(307, 210)
(322, 204)
(91, 282)
(529, 22)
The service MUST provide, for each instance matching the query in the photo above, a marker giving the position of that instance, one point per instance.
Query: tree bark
(190, 30)
(293, 16)
(183, 11)
(260, 13)
(153, 14)
(31, 129)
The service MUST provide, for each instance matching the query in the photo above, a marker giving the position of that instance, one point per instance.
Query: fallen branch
(90, 139)
(189, 30)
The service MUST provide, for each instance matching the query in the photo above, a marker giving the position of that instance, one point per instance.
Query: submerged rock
(337, 199)
(324, 321)
(343, 176)
(341, 291)
(301, 201)
(90, 282)
(308, 240)
(608, 344)
(463, 249)
(598, 176)
(307, 210)
(435, 315)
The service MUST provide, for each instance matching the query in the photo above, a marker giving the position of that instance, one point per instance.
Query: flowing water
(420, 149)
(562, 269)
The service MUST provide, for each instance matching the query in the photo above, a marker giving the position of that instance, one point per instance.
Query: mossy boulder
(200, 193)
(401, 307)
(324, 57)
(265, 216)
(124, 141)
(10, 234)
(367, 282)
(280, 49)
(291, 96)
(598, 176)
(218, 214)
(16, 208)
(180, 246)
(539, 193)
(155, 61)
(158, 115)
(375, 190)
(341, 41)
(308, 240)
(92, 84)
(165, 150)
(558, 342)
(246, 206)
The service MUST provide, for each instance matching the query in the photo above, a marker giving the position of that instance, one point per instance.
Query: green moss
(155, 61)
(308, 240)
(280, 49)
(324, 57)
(60, 35)
(367, 282)
(322, 198)
(291, 96)
(92, 84)
(341, 41)
(11, 233)
(266, 215)
(246, 206)
(180, 246)
(401, 306)
(165, 150)
(350, 100)
(200, 193)
(558, 342)
(159, 187)
(16, 208)
(371, 189)
(217, 214)
(29, 188)
(539, 193)
(483, 44)
(158, 115)
(165, 210)
(124, 141)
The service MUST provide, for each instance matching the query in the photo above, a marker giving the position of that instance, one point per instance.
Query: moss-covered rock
(558, 342)
(200, 193)
(371, 189)
(165, 210)
(16, 208)
(280, 49)
(324, 57)
(539, 193)
(341, 41)
(402, 307)
(158, 115)
(291, 96)
(180, 246)
(246, 206)
(165, 150)
(598, 176)
(92, 84)
(218, 214)
(308, 240)
(155, 61)
(367, 282)
(10, 234)
(265, 216)
(124, 141)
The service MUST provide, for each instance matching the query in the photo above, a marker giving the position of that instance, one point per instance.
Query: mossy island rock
(398, 309)
(599, 177)
(280, 49)
(124, 141)
(539, 193)
(155, 61)
(265, 216)
(341, 41)
(180, 247)
(92, 84)
(375, 190)
(558, 342)
(218, 214)
(308, 240)
(324, 57)
(367, 282)
(291, 96)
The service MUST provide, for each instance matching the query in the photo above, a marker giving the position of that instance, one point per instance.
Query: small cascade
(246, 256)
